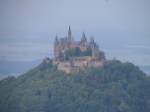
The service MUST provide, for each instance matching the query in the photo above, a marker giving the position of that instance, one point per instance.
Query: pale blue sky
(121, 27)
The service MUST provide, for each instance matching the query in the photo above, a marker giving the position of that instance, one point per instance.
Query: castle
(72, 56)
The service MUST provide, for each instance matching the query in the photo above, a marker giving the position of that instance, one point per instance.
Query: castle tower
(56, 47)
(83, 43)
(94, 47)
(83, 39)
(69, 37)
(92, 43)
(69, 34)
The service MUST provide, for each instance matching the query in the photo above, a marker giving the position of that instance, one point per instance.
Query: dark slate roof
(63, 40)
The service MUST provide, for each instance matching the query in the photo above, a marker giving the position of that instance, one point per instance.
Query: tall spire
(69, 34)
(56, 40)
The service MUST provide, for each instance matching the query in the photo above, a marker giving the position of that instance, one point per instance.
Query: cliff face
(115, 87)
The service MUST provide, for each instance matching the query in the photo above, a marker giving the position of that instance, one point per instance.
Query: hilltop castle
(73, 56)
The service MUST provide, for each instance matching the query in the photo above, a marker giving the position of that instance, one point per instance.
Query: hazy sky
(121, 27)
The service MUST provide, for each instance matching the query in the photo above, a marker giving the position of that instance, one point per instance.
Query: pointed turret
(83, 42)
(83, 39)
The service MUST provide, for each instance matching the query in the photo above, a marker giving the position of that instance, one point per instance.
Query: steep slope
(117, 87)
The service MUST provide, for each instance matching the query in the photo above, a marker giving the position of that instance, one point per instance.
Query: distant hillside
(116, 87)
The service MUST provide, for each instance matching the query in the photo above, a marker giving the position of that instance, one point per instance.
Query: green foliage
(87, 52)
(75, 52)
(117, 87)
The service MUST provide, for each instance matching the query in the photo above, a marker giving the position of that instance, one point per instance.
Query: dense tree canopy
(117, 87)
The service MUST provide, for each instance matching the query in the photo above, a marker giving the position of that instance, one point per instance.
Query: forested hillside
(117, 87)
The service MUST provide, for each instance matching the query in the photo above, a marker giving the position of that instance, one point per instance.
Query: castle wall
(79, 63)
(65, 66)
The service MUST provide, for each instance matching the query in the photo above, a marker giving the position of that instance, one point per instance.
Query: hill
(116, 87)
